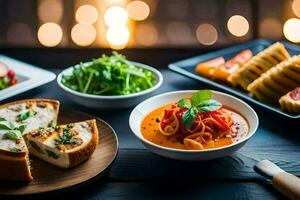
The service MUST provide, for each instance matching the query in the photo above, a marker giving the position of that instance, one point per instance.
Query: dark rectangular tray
(187, 68)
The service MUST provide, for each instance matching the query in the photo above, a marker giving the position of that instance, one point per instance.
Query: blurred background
(120, 24)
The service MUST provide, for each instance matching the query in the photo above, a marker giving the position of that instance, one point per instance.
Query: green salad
(109, 75)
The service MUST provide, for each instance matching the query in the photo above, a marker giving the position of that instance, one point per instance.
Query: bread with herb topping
(17, 118)
(64, 146)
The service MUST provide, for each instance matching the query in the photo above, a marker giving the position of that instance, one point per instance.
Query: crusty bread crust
(15, 168)
(87, 150)
(52, 101)
(12, 154)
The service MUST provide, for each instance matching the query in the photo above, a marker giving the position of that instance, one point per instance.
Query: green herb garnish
(66, 137)
(51, 154)
(53, 125)
(109, 75)
(14, 132)
(6, 125)
(13, 135)
(22, 128)
(200, 102)
(26, 114)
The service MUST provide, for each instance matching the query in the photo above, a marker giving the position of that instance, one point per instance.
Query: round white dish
(111, 101)
(141, 110)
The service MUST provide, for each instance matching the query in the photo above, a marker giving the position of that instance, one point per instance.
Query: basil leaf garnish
(184, 103)
(22, 128)
(208, 105)
(26, 114)
(189, 117)
(12, 135)
(200, 96)
(6, 125)
(200, 102)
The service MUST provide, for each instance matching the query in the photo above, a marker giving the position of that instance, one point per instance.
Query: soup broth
(150, 130)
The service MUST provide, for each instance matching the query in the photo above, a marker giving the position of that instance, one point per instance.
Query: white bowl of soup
(185, 130)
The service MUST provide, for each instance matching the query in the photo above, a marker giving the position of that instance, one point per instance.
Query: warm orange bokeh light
(206, 34)
(83, 34)
(291, 29)
(138, 10)
(115, 16)
(86, 14)
(50, 34)
(50, 10)
(118, 36)
(238, 25)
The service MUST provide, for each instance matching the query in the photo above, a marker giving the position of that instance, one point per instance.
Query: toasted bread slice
(64, 146)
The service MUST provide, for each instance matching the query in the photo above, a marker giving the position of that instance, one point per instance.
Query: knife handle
(287, 184)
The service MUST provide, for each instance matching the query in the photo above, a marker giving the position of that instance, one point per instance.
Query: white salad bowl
(111, 101)
(144, 108)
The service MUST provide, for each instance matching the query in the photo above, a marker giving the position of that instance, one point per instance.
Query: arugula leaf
(200, 96)
(109, 75)
(184, 103)
(189, 117)
(26, 114)
(12, 135)
(208, 105)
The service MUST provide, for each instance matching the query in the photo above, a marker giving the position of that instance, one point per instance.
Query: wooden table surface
(140, 174)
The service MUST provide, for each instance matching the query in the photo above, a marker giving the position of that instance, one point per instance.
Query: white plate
(141, 110)
(28, 77)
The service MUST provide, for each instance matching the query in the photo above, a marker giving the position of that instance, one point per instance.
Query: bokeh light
(148, 29)
(291, 30)
(83, 34)
(50, 34)
(86, 14)
(296, 7)
(238, 25)
(207, 34)
(117, 36)
(138, 10)
(268, 24)
(50, 10)
(115, 16)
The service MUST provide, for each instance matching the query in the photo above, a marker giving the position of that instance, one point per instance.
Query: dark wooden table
(140, 174)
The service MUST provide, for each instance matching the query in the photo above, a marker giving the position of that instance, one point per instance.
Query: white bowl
(141, 110)
(111, 101)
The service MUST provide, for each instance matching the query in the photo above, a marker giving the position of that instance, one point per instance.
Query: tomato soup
(150, 131)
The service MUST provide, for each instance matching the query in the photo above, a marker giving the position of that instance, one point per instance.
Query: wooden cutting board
(49, 178)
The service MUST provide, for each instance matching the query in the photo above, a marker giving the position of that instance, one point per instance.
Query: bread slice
(34, 113)
(64, 146)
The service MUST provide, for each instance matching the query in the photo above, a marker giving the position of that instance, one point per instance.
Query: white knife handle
(287, 184)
